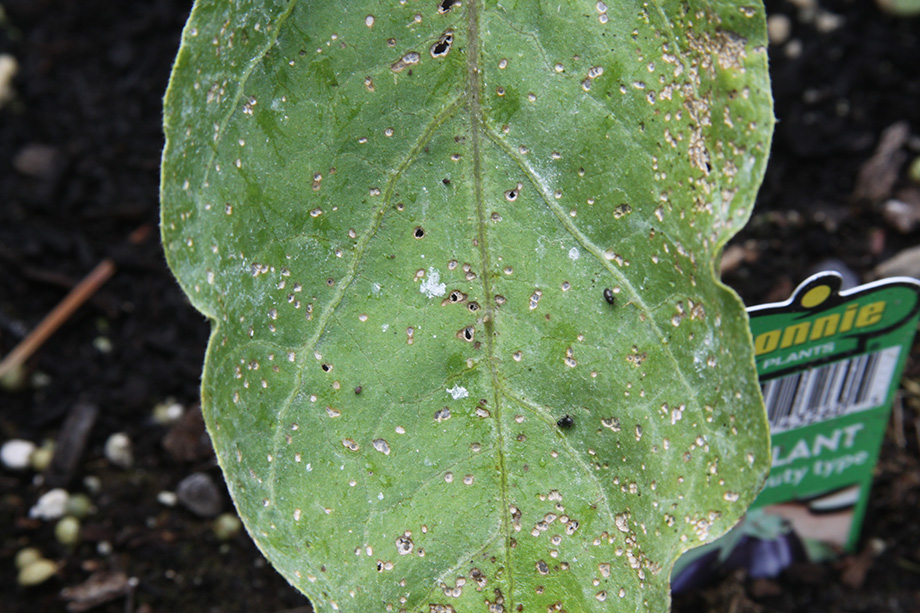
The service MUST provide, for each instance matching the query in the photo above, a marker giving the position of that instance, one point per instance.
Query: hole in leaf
(512, 194)
(442, 47)
(444, 6)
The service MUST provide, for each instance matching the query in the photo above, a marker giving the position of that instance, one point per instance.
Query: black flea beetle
(608, 295)
(565, 422)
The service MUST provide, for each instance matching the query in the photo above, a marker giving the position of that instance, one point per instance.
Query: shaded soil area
(80, 142)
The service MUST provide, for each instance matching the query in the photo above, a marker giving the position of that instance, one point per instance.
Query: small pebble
(119, 450)
(36, 160)
(732, 258)
(8, 69)
(167, 499)
(79, 506)
(913, 171)
(200, 495)
(903, 264)
(14, 379)
(51, 505)
(878, 546)
(26, 556)
(902, 216)
(40, 379)
(103, 344)
(168, 412)
(41, 457)
(226, 526)
(37, 572)
(793, 49)
(779, 27)
(67, 531)
(825, 21)
(92, 483)
(16, 453)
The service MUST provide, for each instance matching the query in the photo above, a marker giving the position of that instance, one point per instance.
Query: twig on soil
(908, 565)
(53, 320)
(71, 442)
(878, 174)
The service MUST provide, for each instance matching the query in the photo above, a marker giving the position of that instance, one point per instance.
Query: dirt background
(80, 142)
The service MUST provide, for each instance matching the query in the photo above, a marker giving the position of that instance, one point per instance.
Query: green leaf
(426, 232)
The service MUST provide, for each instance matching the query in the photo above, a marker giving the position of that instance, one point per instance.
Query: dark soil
(79, 153)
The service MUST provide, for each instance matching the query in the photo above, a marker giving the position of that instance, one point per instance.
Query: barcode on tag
(829, 391)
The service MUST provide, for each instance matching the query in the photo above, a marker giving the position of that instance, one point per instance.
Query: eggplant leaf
(469, 350)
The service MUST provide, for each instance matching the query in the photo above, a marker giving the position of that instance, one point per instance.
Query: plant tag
(829, 364)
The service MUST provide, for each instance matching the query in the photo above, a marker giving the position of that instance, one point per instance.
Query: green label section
(823, 457)
(829, 364)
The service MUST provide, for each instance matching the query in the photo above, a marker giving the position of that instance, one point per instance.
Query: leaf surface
(469, 352)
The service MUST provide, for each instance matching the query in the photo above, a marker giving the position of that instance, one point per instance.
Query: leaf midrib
(474, 90)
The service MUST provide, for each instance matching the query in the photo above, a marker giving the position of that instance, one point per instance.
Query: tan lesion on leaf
(405, 61)
(706, 53)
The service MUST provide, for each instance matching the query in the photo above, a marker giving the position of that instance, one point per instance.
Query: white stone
(119, 451)
(52, 505)
(8, 69)
(167, 498)
(37, 572)
(779, 27)
(16, 453)
(168, 412)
